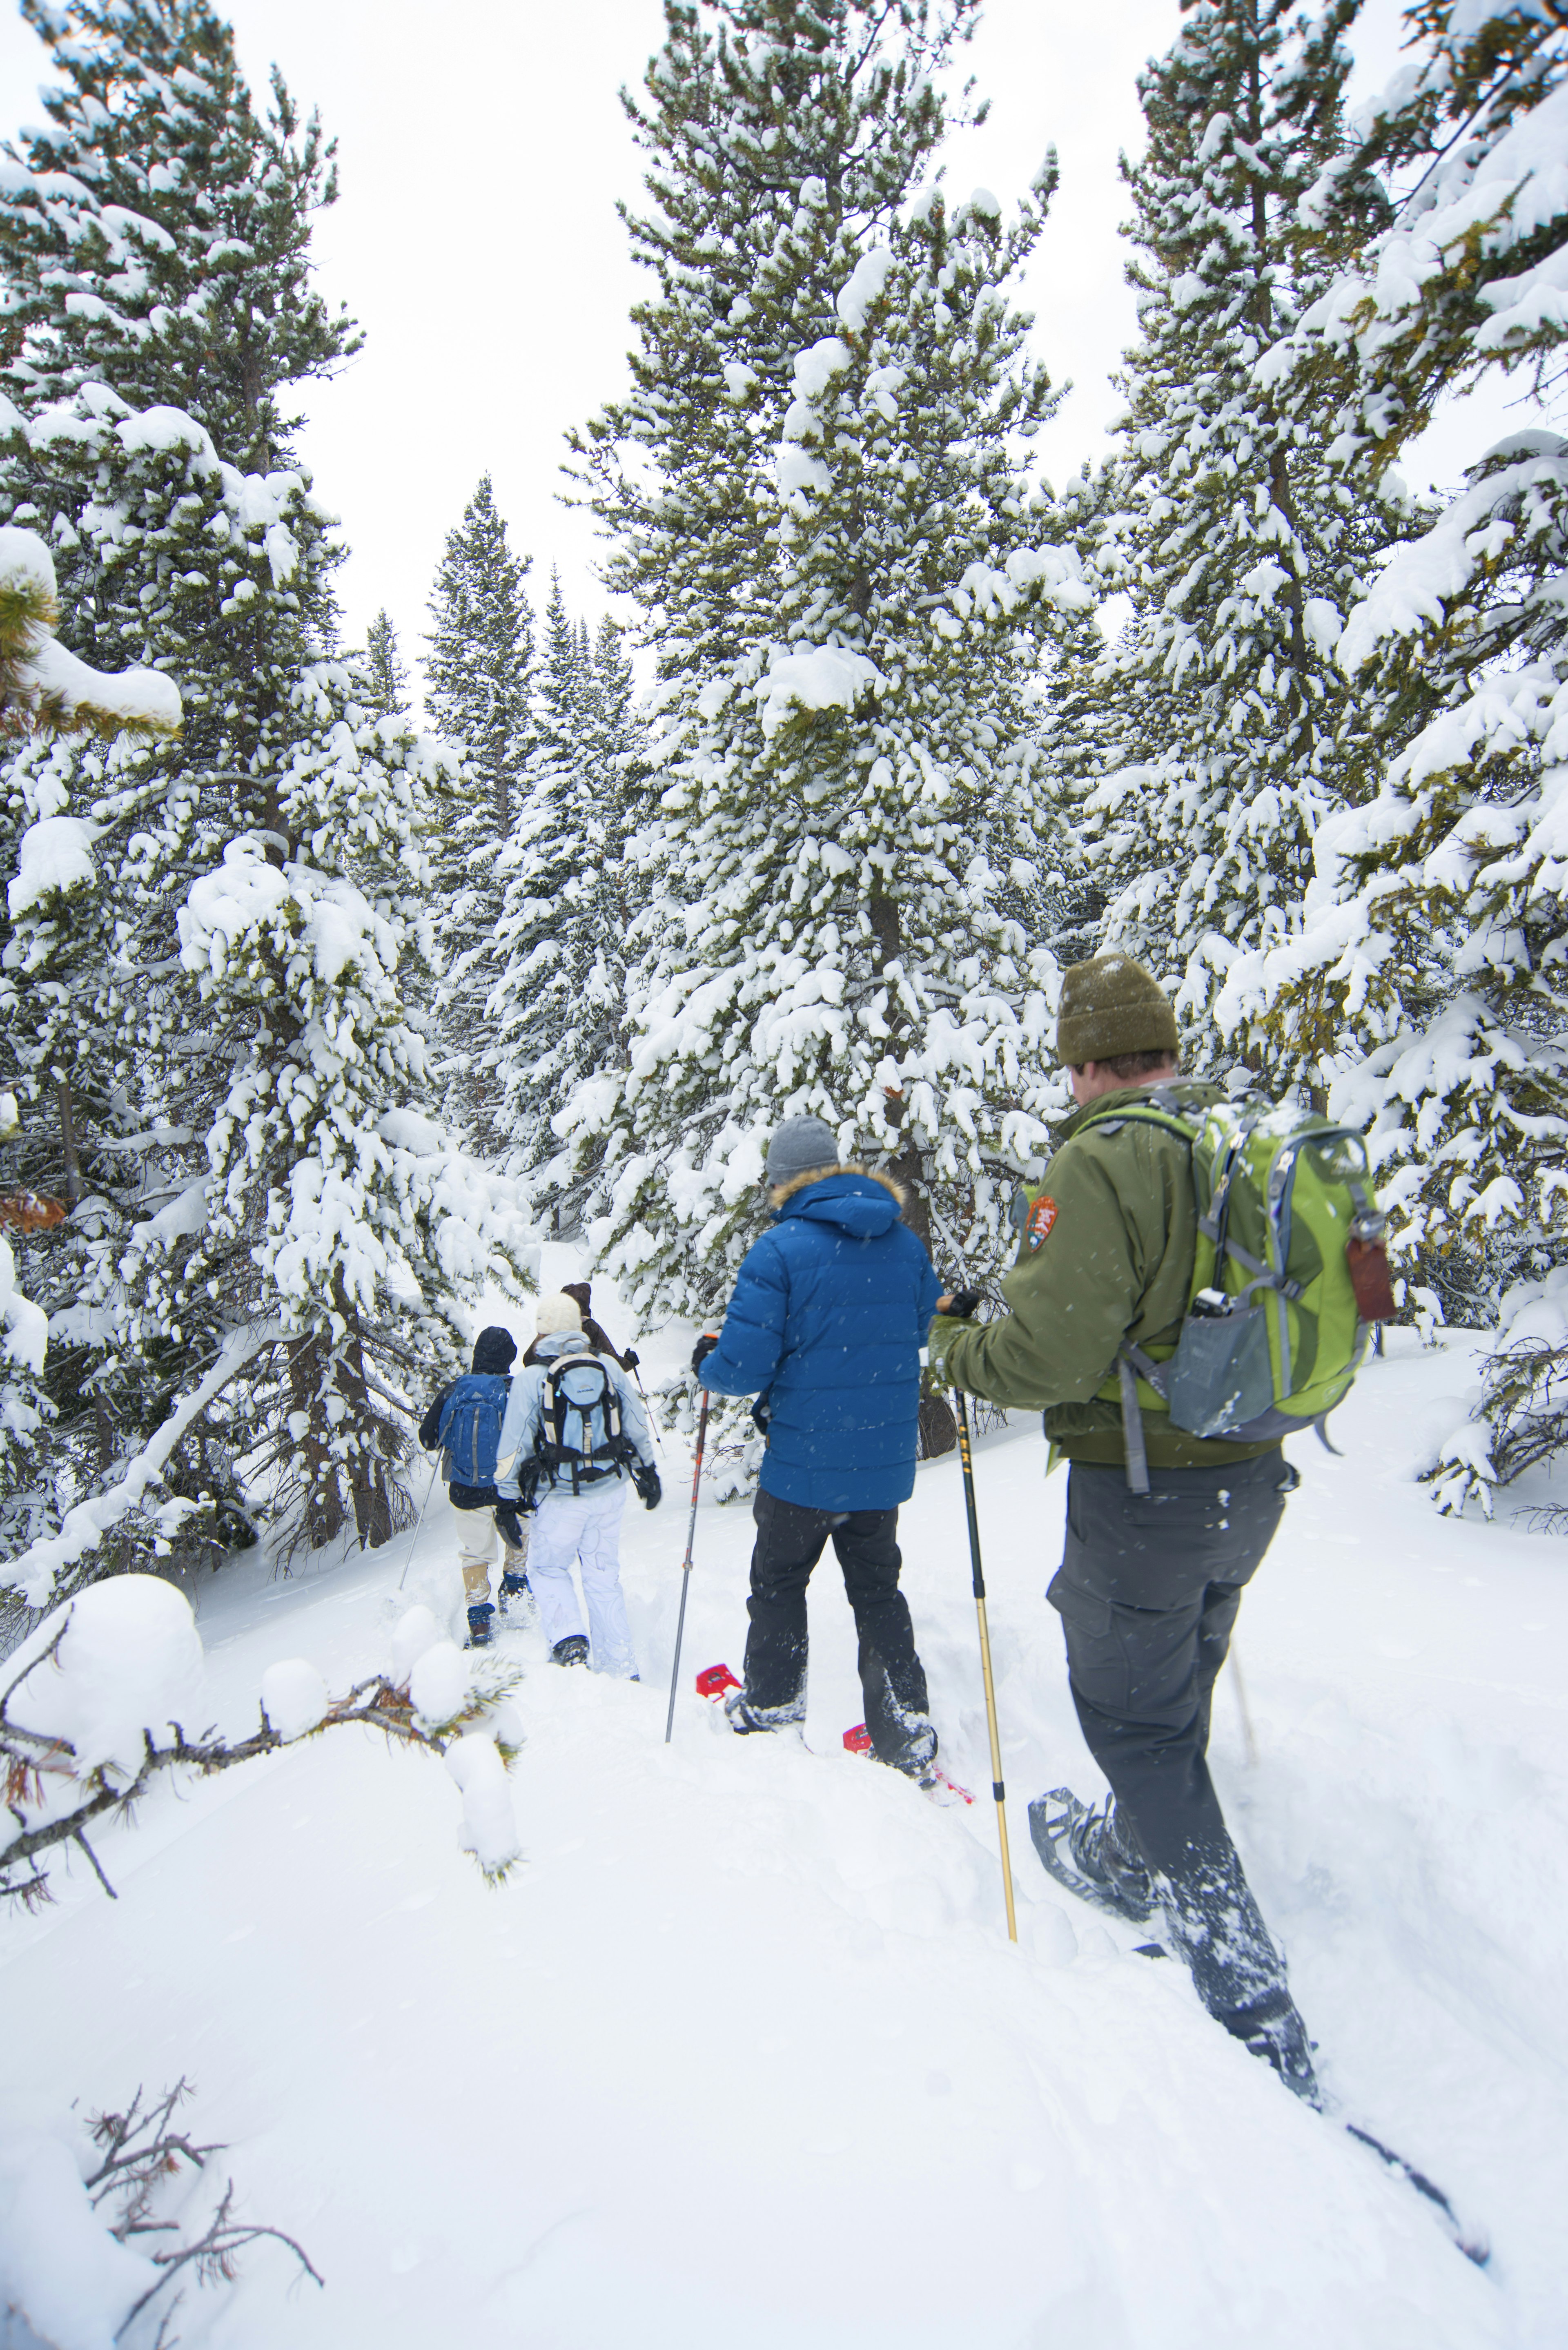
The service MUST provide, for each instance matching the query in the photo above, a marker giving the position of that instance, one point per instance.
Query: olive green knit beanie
(1111, 1006)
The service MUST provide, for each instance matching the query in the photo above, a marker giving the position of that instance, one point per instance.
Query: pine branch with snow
(1234, 733)
(1427, 968)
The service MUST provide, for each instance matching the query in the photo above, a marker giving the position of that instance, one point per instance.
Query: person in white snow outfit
(573, 1436)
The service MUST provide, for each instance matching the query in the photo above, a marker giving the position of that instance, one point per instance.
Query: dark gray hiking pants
(1148, 1592)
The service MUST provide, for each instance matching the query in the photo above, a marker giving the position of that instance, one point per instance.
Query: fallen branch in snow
(62, 2223)
(125, 1654)
(214, 2254)
(32, 1758)
(35, 1571)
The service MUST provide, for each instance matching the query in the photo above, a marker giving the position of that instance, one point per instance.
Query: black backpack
(579, 1423)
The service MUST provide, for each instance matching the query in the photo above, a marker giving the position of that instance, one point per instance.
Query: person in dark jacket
(494, 1351)
(829, 1313)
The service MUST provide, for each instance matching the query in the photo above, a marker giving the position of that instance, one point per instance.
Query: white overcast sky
(482, 150)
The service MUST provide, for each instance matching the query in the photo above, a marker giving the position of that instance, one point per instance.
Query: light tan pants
(476, 1547)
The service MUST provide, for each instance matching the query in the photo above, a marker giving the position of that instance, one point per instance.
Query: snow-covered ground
(741, 2051)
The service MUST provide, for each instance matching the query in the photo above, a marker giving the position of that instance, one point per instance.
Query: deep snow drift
(741, 2051)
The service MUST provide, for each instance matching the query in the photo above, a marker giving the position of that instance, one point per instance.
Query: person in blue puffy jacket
(829, 1313)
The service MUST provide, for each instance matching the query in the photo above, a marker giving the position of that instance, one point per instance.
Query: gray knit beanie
(801, 1144)
(1109, 1007)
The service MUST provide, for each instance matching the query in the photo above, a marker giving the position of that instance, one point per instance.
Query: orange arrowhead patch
(1039, 1220)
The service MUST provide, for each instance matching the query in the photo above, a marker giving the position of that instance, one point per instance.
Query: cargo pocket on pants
(1096, 1659)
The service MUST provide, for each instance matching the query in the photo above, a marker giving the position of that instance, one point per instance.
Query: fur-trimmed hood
(856, 1200)
(783, 1191)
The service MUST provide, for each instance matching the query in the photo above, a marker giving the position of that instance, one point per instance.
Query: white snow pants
(584, 1526)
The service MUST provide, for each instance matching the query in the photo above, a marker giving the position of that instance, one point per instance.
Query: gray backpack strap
(1132, 1425)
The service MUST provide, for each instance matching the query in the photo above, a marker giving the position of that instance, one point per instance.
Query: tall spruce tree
(254, 1197)
(847, 842)
(1429, 970)
(386, 676)
(556, 1007)
(479, 670)
(1233, 732)
(156, 231)
(273, 1199)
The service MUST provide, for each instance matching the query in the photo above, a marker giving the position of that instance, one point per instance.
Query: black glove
(761, 1415)
(630, 1359)
(645, 1477)
(701, 1352)
(964, 1302)
(511, 1525)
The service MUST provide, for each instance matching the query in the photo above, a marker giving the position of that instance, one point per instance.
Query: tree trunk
(70, 1153)
(939, 1429)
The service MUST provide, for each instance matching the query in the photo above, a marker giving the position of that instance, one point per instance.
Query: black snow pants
(790, 1540)
(1148, 1592)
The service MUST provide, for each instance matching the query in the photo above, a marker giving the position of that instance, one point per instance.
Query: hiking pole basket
(997, 1789)
(419, 1522)
(686, 1565)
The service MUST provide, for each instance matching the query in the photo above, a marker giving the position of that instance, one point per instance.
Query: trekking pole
(1248, 1737)
(419, 1522)
(686, 1563)
(648, 1409)
(997, 1789)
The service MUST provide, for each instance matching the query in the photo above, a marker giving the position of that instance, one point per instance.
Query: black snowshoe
(516, 1594)
(1082, 1851)
(572, 1650)
(480, 1635)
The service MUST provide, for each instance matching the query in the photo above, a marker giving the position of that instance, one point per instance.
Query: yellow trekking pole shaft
(997, 1789)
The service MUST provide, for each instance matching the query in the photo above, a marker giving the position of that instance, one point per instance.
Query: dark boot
(480, 1635)
(1216, 1925)
(514, 1587)
(1274, 2031)
(744, 1719)
(572, 1650)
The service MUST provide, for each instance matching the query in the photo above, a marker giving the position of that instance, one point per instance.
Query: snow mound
(61, 2271)
(294, 1697)
(439, 1684)
(413, 1635)
(490, 1825)
(128, 1663)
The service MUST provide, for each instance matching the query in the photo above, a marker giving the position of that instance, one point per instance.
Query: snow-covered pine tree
(479, 670)
(852, 808)
(556, 1009)
(1430, 967)
(386, 677)
(777, 133)
(155, 232)
(781, 138)
(1233, 732)
(45, 694)
(297, 1233)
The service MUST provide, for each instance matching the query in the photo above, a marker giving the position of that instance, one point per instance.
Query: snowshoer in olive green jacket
(1150, 1585)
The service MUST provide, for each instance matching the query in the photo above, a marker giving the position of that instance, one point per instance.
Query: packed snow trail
(742, 2045)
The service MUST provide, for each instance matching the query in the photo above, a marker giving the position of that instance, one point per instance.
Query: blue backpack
(470, 1430)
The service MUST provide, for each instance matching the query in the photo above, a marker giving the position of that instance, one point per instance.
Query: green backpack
(1289, 1276)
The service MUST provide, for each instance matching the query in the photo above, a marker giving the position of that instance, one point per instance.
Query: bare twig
(214, 2254)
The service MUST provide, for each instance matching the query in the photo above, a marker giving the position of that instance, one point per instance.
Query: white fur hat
(557, 1313)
